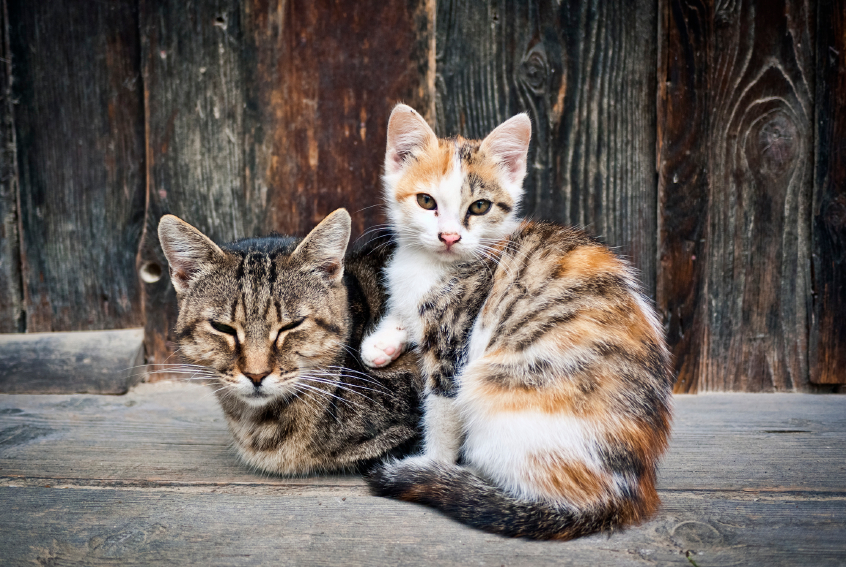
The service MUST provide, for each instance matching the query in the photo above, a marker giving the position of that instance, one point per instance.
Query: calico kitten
(275, 322)
(546, 370)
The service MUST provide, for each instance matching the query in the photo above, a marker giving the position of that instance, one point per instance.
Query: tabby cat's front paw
(383, 347)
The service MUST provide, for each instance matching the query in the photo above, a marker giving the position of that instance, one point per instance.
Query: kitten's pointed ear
(188, 251)
(508, 144)
(324, 248)
(408, 133)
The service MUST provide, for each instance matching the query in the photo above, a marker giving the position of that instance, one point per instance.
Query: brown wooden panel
(585, 73)
(80, 135)
(828, 322)
(11, 293)
(735, 155)
(267, 115)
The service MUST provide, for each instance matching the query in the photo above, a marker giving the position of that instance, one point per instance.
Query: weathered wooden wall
(735, 187)
(702, 140)
(11, 294)
(268, 115)
(585, 73)
(80, 136)
(828, 229)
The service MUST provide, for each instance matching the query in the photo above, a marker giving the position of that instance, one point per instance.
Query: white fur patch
(385, 344)
(506, 447)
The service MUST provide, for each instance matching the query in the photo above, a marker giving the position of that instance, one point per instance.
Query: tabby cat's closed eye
(223, 328)
(292, 325)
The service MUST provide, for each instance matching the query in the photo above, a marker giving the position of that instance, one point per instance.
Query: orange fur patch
(587, 261)
(432, 165)
(572, 480)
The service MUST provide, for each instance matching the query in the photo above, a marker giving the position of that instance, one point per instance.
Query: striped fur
(295, 396)
(547, 375)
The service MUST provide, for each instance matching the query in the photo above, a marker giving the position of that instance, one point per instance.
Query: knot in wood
(534, 69)
(774, 144)
(834, 214)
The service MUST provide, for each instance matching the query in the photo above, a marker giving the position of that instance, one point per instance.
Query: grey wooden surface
(150, 478)
(79, 362)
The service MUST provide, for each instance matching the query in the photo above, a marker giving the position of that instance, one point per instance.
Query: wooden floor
(150, 478)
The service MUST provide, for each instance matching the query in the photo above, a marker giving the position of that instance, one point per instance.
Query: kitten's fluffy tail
(462, 495)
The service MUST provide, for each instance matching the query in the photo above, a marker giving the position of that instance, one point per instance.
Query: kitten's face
(263, 316)
(453, 198)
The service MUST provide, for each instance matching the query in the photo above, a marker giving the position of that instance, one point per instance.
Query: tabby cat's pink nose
(449, 238)
(256, 378)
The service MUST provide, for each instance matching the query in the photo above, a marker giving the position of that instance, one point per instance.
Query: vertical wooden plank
(683, 180)
(734, 190)
(11, 293)
(193, 104)
(269, 114)
(80, 153)
(585, 73)
(828, 323)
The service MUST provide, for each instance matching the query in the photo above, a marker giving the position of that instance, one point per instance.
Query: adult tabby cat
(275, 323)
(546, 370)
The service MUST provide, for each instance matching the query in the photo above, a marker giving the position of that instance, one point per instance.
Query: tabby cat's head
(453, 198)
(258, 313)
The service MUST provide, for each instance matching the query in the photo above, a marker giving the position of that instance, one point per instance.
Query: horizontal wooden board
(96, 362)
(175, 433)
(49, 525)
(150, 478)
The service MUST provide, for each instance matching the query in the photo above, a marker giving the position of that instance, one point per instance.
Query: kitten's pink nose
(449, 238)
(257, 377)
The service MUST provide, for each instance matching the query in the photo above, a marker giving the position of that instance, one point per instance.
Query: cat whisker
(341, 385)
(307, 398)
(348, 386)
(329, 394)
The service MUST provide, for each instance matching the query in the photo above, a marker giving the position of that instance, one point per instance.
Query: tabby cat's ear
(188, 251)
(324, 247)
(408, 133)
(508, 144)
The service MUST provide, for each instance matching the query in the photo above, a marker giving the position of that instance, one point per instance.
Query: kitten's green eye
(224, 328)
(426, 201)
(480, 207)
(291, 325)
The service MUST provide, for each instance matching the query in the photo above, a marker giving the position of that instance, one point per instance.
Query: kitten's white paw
(384, 346)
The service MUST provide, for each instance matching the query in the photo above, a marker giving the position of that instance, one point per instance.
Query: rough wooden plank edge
(86, 362)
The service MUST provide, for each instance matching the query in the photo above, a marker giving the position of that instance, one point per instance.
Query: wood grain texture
(735, 153)
(11, 292)
(828, 319)
(150, 478)
(80, 143)
(585, 74)
(95, 362)
(47, 526)
(267, 115)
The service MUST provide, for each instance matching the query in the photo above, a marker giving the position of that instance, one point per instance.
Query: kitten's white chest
(410, 276)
